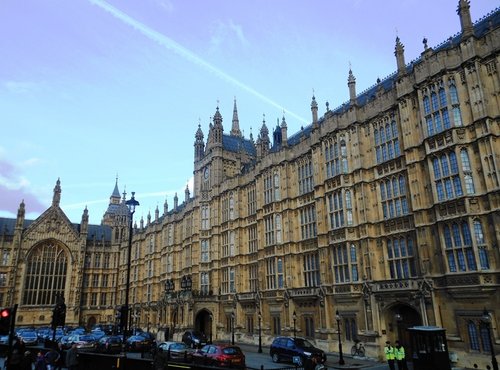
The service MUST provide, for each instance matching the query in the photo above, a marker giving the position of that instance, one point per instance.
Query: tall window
(351, 329)
(339, 208)
(467, 171)
(401, 257)
(252, 200)
(478, 336)
(205, 217)
(459, 248)
(345, 263)
(393, 196)
(151, 244)
(249, 324)
(446, 177)
(276, 324)
(386, 140)
(205, 283)
(254, 277)
(481, 245)
(335, 157)
(436, 107)
(252, 239)
(170, 235)
(5, 257)
(228, 280)
(97, 260)
(272, 187)
(274, 273)
(305, 172)
(269, 230)
(225, 208)
(308, 222)
(311, 269)
(205, 250)
(46, 271)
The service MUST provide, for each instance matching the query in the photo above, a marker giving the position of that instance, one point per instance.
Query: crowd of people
(19, 358)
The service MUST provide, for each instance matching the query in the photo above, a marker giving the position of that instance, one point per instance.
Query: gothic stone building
(385, 210)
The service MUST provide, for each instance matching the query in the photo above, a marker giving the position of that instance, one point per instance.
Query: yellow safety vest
(389, 353)
(399, 353)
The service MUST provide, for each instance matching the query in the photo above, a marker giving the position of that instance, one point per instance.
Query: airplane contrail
(186, 53)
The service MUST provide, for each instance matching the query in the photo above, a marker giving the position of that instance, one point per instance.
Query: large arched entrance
(400, 317)
(203, 323)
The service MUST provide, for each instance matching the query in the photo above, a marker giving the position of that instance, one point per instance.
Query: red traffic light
(5, 313)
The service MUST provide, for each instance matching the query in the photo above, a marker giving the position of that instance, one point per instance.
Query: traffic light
(59, 315)
(5, 321)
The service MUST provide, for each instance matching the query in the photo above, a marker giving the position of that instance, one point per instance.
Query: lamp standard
(294, 317)
(169, 289)
(486, 320)
(131, 204)
(399, 320)
(341, 355)
(260, 332)
(211, 323)
(232, 328)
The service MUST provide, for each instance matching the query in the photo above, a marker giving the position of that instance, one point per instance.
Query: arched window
(46, 271)
(481, 245)
(427, 106)
(442, 97)
(466, 169)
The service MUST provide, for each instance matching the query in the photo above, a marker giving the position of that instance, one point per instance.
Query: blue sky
(92, 89)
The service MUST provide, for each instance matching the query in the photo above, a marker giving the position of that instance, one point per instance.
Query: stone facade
(381, 215)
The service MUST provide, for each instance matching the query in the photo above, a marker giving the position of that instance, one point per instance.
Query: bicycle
(358, 349)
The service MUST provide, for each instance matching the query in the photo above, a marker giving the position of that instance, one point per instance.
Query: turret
(399, 52)
(186, 194)
(176, 202)
(351, 82)
(157, 213)
(165, 206)
(263, 140)
(463, 11)
(314, 110)
(277, 135)
(149, 218)
(199, 145)
(21, 212)
(56, 199)
(85, 222)
(217, 129)
(284, 134)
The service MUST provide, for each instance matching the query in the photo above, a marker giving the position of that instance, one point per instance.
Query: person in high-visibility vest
(389, 355)
(399, 353)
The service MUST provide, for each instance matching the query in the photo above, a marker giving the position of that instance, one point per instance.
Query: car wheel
(275, 357)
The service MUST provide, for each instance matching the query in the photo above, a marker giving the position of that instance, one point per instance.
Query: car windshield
(178, 346)
(231, 351)
(303, 343)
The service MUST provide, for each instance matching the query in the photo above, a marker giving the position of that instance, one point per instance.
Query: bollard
(185, 356)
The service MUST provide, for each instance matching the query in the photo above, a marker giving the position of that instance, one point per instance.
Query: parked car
(177, 351)
(109, 344)
(221, 355)
(84, 342)
(194, 338)
(97, 333)
(286, 348)
(29, 337)
(4, 339)
(137, 343)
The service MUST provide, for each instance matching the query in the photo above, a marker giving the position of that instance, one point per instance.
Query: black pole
(493, 357)
(232, 328)
(341, 355)
(260, 333)
(131, 203)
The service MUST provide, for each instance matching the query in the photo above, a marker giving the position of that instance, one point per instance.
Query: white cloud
(166, 5)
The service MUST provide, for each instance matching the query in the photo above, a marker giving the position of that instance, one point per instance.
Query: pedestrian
(60, 361)
(389, 355)
(40, 363)
(399, 353)
(72, 358)
(27, 361)
(15, 357)
(51, 358)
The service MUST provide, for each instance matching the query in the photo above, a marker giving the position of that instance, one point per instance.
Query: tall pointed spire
(235, 128)
(314, 110)
(57, 194)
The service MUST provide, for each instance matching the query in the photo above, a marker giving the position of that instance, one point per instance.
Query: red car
(222, 355)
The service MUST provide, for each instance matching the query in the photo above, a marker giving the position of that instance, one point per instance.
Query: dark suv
(286, 348)
(194, 338)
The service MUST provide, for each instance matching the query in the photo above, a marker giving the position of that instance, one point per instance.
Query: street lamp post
(341, 355)
(211, 323)
(294, 317)
(486, 320)
(169, 289)
(232, 328)
(131, 204)
(260, 332)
